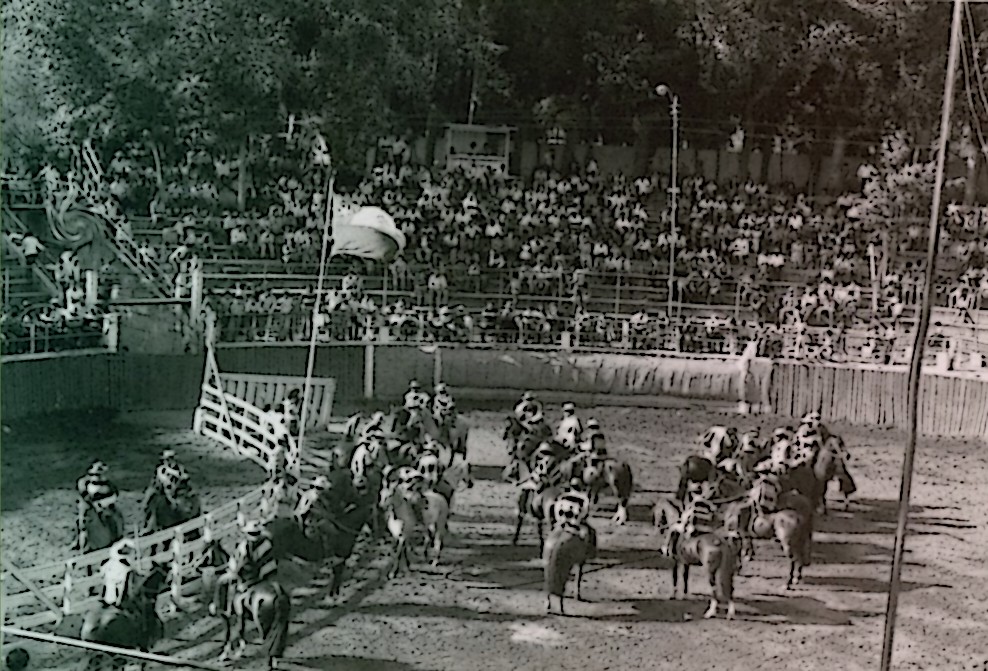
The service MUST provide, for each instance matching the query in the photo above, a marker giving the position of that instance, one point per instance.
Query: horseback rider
(571, 512)
(443, 405)
(291, 409)
(700, 513)
(252, 560)
(593, 440)
(570, 428)
(96, 492)
(765, 494)
(169, 477)
(415, 398)
(528, 411)
(373, 429)
(309, 497)
(118, 573)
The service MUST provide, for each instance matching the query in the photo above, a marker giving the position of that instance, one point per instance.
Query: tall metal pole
(922, 328)
(674, 192)
(663, 90)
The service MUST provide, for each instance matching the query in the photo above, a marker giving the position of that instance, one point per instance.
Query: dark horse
(164, 512)
(330, 533)
(695, 469)
(267, 604)
(101, 528)
(133, 625)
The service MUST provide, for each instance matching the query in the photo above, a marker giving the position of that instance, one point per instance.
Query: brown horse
(715, 552)
(830, 464)
(791, 524)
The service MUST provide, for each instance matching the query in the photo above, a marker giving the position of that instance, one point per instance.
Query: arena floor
(483, 607)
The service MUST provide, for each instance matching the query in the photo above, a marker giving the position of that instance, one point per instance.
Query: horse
(791, 524)
(100, 528)
(715, 552)
(409, 507)
(538, 494)
(614, 476)
(829, 464)
(445, 478)
(568, 545)
(164, 512)
(135, 624)
(266, 603)
(522, 441)
(695, 469)
(330, 532)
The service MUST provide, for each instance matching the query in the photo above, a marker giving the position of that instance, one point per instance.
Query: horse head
(666, 517)
(431, 469)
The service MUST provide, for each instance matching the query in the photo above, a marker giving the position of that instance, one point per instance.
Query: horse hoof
(709, 614)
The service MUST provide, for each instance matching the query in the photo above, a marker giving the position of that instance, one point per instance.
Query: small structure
(473, 146)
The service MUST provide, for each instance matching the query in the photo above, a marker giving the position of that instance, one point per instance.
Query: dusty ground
(483, 608)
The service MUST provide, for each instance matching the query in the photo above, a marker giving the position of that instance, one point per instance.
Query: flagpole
(922, 328)
(310, 364)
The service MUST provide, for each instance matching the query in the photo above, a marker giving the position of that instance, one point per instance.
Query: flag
(369, 233)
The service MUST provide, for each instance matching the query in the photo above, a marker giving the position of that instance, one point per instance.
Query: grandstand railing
(615, 332)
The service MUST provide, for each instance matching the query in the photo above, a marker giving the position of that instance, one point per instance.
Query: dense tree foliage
(175, 81)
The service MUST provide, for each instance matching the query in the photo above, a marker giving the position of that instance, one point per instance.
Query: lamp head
(663, 90)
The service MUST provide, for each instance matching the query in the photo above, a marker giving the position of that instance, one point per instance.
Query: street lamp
(663, 90)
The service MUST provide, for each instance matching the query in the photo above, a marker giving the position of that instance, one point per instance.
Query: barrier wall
(38, 385)
(710, 378)
(950, 404)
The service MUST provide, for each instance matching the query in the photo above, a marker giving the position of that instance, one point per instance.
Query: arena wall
(952, 404)
(54, 383)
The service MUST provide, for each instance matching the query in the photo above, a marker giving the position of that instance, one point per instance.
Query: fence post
(67, 588)
(369, 371)
(617, 293)
(437, 366)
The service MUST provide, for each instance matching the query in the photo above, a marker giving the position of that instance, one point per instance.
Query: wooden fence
(74, 583)
(262, 390)
(952, 404)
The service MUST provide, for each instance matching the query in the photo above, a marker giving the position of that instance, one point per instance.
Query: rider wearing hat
(593, 439)
(415, 398)
(528, 411)
(570, 428)
(169, 476)
(253, 559)
(118, 573)
(96, 492)
(309, 497)
(443, 404)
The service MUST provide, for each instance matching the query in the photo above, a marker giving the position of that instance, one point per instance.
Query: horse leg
(521, 518)
(437, 544)
(396, 563)
(792, 572)
(712, 610)
(579, 581)
(337, 580)
(686, 579)
(675, 580)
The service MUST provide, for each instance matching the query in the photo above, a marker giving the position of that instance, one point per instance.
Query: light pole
(663, 90)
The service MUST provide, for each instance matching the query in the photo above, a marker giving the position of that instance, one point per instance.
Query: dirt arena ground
(483, 607)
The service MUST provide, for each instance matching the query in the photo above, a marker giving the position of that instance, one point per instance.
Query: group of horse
(745, 488)
(392, 473)
(558, 486)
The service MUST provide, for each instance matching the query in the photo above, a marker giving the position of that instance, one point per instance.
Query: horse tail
(622, 481)
(276, 628)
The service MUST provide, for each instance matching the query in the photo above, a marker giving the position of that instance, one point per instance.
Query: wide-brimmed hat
(414, 384)
(167, 454)
(124, 547)
(593, 423)
(527, 396)
(569, 407)
(97, 467)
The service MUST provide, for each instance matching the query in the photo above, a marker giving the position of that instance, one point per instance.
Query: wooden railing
(74, 583)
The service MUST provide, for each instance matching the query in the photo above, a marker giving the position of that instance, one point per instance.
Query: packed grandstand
(577, 258)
